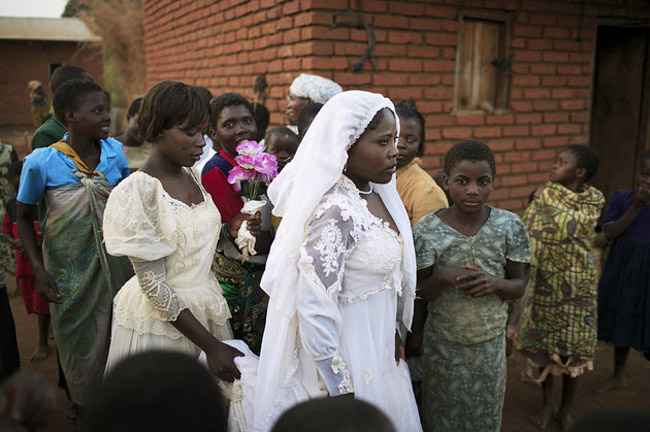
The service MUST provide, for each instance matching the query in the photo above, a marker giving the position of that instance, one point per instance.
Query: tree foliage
(120, 23)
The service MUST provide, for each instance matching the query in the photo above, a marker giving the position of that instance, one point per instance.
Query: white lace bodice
(349, 255)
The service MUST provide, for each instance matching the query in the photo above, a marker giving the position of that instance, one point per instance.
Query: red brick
(441, 120)
(406, 8)
(391, 79)
(441, 11)
(487, 132)
(518, 43)
(545, 105)
(349, 78)
(424, 79)
(504, 119)
(439, 66)
(543, 69)
(560, 117)
(396, 37)
(544, 155)
(545, 129)
(573, 105)
(325, 4)
(419, 51)
(554, 81)
(426, 24)
(518, 156)
(540, 44)
(558, 57)
(521, 106)
(556, 141)
(441, 39)
(568, 129)
(581, 81)
(525, 30)
(457, 133)
(470, 120)
(527, 56)
(529, 118)
(515, 131)
(439, 93)
(542, 19)
(528, 143)
(556, 32)
(524, 167)
(405, 65)
(391, 21)
(499, 145)
(525, 80)
(537, 93)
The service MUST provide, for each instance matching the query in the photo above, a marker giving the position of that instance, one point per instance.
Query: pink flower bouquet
(250, 179)
(255, 171)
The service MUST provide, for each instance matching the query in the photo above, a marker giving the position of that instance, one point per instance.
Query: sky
(32, 8)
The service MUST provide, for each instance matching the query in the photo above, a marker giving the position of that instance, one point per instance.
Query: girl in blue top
(71, 181)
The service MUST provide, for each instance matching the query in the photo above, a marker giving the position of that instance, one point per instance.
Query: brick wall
(224, 45)
(29, 60)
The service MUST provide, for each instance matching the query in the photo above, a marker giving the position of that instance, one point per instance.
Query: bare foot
(611, 384)
(40, 353)
(542, 419)
(565, 420)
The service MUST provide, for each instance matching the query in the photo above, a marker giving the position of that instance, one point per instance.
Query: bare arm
(414, 340)
(45, 283)
(614, 229)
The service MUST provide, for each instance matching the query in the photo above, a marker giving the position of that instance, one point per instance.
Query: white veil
(316, 167)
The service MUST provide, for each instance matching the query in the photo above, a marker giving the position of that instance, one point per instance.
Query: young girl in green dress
(471, 260)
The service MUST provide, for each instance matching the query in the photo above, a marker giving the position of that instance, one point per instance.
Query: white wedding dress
(347, 310)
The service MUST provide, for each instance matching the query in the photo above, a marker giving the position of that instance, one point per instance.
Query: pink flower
(246, 160)
(237, 175)
(266, 165)
(249, 147)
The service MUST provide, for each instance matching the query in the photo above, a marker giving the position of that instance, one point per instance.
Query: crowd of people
(359, 276)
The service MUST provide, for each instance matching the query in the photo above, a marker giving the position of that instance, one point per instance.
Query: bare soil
(523, 399)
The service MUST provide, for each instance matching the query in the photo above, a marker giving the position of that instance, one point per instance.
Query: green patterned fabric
(7, 192)
(463, 385)
(503, 237)
(87, 278)
(560, 318)
(247, 301)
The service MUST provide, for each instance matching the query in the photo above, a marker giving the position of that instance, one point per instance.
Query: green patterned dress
(559, 326)
(464, 361)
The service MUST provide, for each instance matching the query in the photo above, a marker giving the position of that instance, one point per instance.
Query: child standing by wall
(558, 335)
(471, 260)
(73, 178)
(34, 303)
(624, 290)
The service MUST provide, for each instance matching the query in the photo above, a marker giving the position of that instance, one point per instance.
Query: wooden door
(621, 104)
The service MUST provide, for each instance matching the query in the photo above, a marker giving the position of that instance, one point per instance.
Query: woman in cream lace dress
(168, 226)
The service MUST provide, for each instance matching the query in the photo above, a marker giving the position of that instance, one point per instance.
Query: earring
(345, 168)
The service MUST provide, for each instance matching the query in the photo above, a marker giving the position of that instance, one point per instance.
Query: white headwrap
(316, 167)
(314, 87)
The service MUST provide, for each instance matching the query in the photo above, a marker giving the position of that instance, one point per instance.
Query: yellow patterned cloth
(559, 330)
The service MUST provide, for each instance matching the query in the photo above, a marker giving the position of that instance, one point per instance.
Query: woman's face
(470, 183)
(91, 117)
(374, 156)
(643, 174)
(408, 144)
(235, 125)
(295, 104)
(180, 145)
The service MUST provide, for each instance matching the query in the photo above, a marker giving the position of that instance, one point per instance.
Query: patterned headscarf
(314, 87)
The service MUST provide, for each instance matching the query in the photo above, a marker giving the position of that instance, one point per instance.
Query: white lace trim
(162, 296)
(339, 367)
(330, 246)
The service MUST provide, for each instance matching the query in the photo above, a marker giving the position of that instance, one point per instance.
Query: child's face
(409, 141)
(235, 125)
(91, 116)
(180, 145)
(643, 174)
(469, 184)
(565, 170)
(283, 147)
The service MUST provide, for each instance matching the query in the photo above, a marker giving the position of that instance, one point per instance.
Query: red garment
(216, 184)
(25, 272)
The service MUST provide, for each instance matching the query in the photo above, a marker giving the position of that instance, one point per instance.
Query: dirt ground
(522, 399)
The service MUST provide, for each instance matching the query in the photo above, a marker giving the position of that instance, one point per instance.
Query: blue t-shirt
(48, 167)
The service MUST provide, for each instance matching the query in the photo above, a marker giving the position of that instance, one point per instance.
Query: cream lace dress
(347, 309)
(143, 222)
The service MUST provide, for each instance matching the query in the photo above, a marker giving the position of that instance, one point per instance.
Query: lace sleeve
(137, 222)
(330, 240)
(151, 276)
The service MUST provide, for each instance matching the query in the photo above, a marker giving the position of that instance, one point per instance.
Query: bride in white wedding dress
(341, 271)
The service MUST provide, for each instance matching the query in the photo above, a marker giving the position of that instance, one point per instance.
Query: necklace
(368, 192)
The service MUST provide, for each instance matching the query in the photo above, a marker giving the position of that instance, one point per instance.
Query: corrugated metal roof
(49, 29)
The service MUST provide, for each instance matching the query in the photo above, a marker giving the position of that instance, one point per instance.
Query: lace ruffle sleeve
(137, 223)
(151, 277)
(330, 241)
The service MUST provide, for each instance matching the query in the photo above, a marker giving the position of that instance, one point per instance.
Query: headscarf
(33, 86)
(295, 193)
(314, 87)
